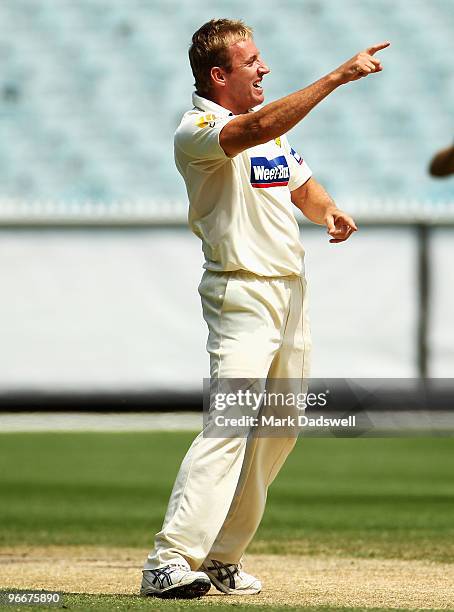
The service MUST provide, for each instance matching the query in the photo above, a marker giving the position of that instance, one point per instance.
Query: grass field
(355, 498)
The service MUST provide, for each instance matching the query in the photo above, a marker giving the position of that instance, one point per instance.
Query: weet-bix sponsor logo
(269, 172)
(297, 156)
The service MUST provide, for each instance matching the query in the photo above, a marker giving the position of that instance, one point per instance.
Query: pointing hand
(361, 65)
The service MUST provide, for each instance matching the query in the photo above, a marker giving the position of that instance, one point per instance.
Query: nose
(263, 68)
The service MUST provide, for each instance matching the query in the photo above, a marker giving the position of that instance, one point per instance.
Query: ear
(218, 76)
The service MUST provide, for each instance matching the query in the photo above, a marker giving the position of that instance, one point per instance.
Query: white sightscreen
(90, 310)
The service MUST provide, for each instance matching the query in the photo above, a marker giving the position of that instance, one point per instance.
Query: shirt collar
(210, 106)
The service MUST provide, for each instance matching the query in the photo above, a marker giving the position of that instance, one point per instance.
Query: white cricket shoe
(229, 578)
(174, 581)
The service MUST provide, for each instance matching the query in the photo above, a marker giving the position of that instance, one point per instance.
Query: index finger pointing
(379, 47)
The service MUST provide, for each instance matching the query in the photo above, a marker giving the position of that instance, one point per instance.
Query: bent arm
(277, 118)
(318, 206)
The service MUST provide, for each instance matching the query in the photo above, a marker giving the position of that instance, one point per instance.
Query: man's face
(243, 85)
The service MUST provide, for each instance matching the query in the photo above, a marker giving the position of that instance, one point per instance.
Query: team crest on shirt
(296, 155)
(206, 120)
(269, 172)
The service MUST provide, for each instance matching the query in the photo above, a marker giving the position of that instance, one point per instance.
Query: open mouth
(257, 85)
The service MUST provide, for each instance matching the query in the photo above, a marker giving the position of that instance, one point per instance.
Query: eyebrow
(251, 58)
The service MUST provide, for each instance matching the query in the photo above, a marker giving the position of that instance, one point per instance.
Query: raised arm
(277, 118)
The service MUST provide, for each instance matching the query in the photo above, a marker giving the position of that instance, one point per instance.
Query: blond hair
(210, 46)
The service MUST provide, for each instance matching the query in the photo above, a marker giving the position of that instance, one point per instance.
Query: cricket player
(243, 179)
(442, 163)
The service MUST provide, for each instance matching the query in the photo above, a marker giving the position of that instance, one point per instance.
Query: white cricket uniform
(254, 301)
(240, 207)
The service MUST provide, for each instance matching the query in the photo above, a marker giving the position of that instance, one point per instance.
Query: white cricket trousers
(258, 328)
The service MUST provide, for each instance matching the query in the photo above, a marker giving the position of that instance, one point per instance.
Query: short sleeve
(198, 136)
(299, 170)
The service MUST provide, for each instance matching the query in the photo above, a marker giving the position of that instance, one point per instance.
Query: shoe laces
(179, 566)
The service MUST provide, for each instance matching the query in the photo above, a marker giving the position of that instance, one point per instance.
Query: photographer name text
(288, 421)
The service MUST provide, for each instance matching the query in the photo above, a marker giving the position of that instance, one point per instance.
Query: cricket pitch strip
(287, 580)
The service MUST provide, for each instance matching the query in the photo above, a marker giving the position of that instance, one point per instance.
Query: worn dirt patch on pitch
(292, 580)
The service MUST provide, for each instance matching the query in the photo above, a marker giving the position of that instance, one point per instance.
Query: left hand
(340, 225)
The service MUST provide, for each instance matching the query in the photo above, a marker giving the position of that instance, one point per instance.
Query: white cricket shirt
(240, 207)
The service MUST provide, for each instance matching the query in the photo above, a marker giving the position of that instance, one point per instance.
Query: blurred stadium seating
(90, 95)
(91, 92)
